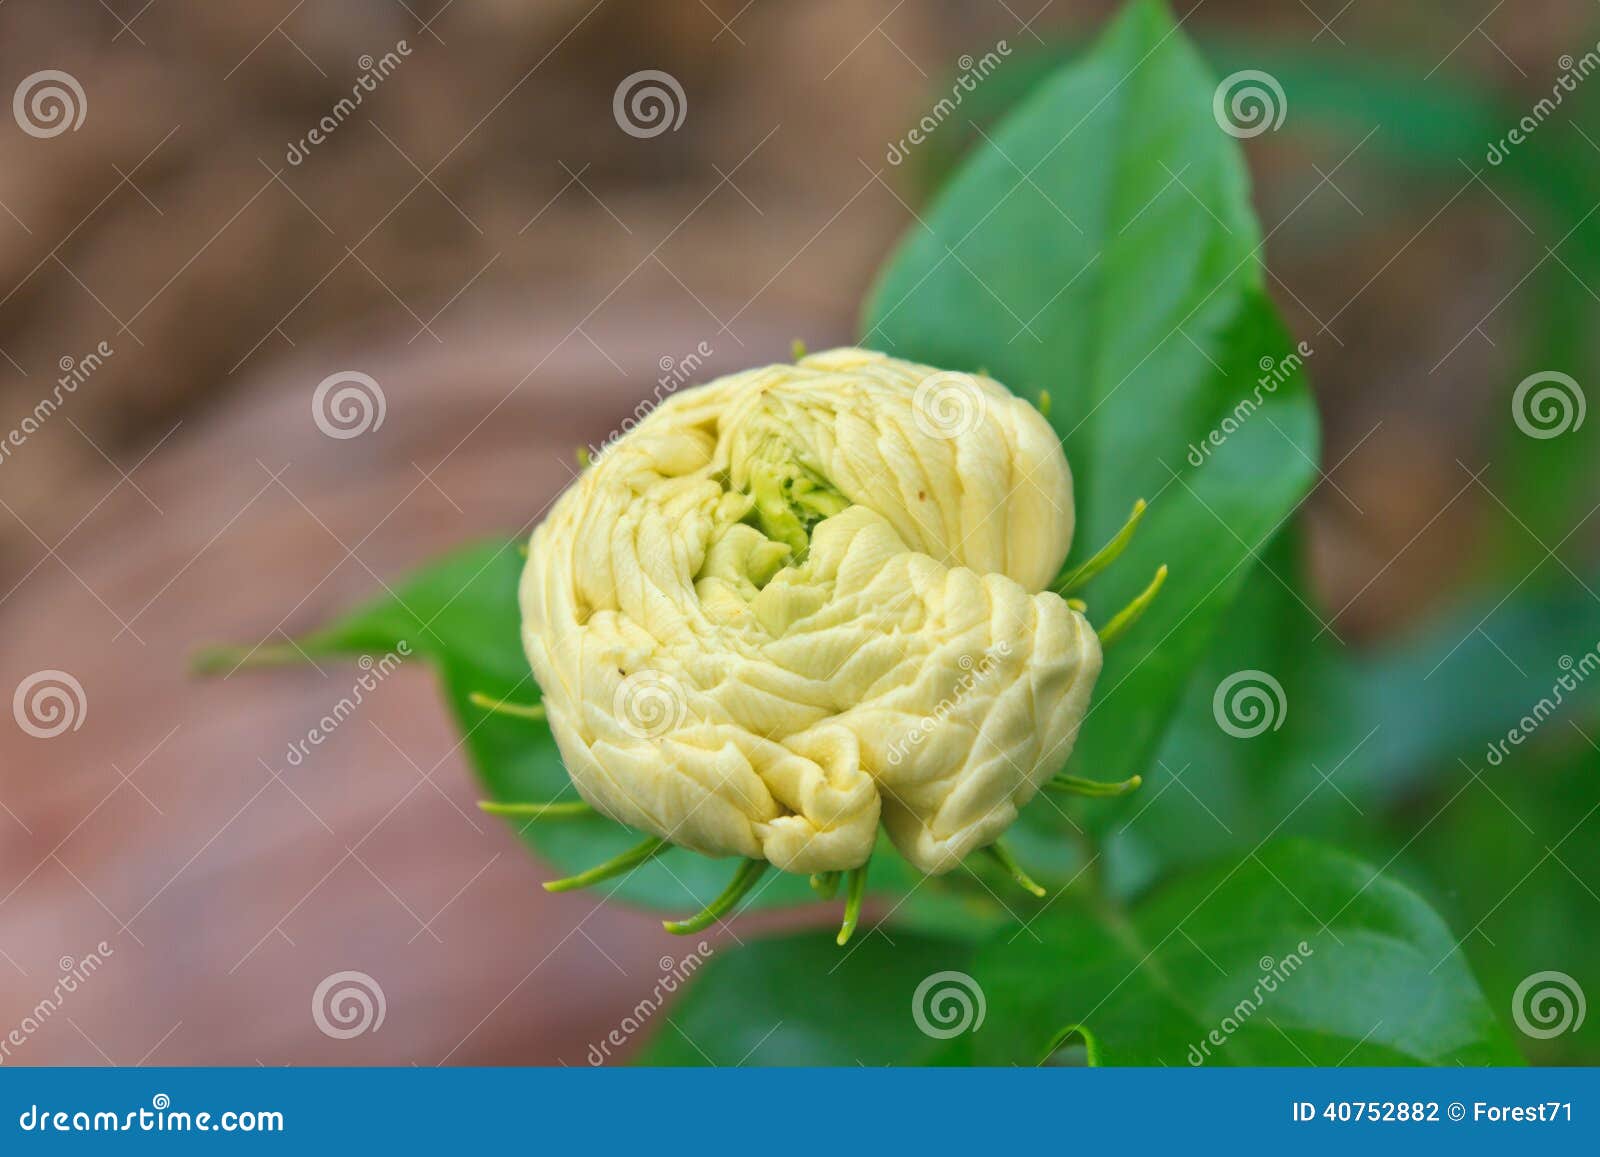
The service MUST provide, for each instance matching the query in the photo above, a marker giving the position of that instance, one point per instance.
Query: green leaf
(1103, 248)
(1361, 971)
(1296, 955)
(1533, 905)
(799, 1000)
(1356, 732)
(1328, 92)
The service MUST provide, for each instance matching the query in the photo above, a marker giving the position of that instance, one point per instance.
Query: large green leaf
(1293, 955)
(799, 1000)
(1104, 249)
(1512, 856)
(1353, 732)
(1330, 93)
(1336, 100)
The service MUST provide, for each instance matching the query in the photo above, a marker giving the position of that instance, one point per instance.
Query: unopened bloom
(804, 600)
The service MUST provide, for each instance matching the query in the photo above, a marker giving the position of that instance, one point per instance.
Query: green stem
(1102, 558)
(506, 707)
(743, 880)
(626, 862)
(537, 811)
(1131, 613)
(1002, 856)
(1072, 785)
(852, 904)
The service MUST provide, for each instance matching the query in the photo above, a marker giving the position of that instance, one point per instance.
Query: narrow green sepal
(506, 707)
(626, 862)
(537, 811)
(1091, 1045)
(854, 894)
(743, 880)
(1002, 856)
(1072, 785)
(1131, 613)
(1102, 558)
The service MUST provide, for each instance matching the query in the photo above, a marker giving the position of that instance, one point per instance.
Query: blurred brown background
(482, 238)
